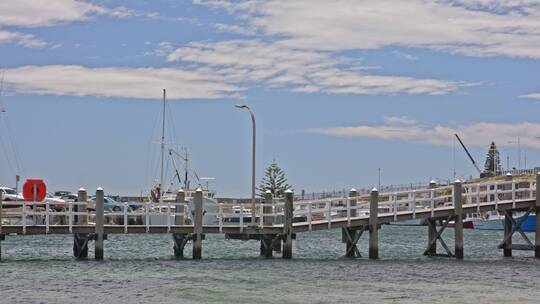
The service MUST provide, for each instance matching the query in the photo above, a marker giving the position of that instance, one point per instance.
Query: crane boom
(468, 154)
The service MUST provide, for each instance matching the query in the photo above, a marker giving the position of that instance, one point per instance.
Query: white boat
(491, 221)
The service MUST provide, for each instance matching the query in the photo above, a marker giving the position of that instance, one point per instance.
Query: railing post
(179, 220)
(99, 230)
(288, 225)
(198, 224)
(537, 208)
(458, 211)
(349, 251)
(80, 206)
(373, 229)
(509, 178)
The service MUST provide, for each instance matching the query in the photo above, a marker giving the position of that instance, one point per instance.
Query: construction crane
(468, 154)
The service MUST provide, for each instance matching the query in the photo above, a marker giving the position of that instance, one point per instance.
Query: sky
(339, 89)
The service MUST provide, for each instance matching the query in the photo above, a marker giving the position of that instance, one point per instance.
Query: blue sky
(340, 88)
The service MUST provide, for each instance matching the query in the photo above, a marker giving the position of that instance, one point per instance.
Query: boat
(490, 221)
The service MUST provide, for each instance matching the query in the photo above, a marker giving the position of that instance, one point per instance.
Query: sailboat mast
(161, 190)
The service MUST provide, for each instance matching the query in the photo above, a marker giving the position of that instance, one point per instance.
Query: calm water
(140, 269)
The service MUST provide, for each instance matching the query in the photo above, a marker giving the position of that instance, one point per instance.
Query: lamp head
(241, 106)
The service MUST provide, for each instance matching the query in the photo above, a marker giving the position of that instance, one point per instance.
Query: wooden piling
(288, 225)
(507, 247)
(80, 240)
(99, 224)
(179, 220)
(458, 227)
(432, 235)
(349, 252)
(198, 224)
(373, 229)
(266, 239)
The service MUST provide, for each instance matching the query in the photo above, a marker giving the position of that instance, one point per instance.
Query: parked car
(55, 203)
(60, 194)
(9, 194)
(70, 197)
(108, 204)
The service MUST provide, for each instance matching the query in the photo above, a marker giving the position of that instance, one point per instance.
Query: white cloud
(532, 96)
(236, 29)
(26, 40)
(31, 13)
(469, 27)
(274, 64)
(143, 83)
(474, 134)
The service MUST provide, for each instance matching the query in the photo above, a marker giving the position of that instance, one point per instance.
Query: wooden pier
(280, 220)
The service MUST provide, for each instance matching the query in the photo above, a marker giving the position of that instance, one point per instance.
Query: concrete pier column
(458, 211)
(266, 240)
(179, 220)
(288, 225)
(373, 229)
(349, 252)
(99, 231)
(537, 208)
(198, 224)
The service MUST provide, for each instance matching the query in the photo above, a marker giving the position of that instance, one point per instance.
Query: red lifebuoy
(40, 190)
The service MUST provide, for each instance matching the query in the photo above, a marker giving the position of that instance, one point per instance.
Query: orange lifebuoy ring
(34, 190)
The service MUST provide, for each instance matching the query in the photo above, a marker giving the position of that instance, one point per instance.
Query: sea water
(142, 269)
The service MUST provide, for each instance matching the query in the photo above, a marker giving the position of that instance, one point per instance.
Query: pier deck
(279, 220)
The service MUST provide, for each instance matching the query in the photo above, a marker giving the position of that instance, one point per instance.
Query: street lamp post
(243, 106)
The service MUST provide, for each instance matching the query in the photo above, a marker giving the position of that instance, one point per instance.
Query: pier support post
(288, 225)
(373, 227)
(266, 239)
(179, 239)
(198, 224)
(80, 240)
(350, 236)
(432, 237)
(99, 224)
(537, 210)
(458, 211)
(507, 246)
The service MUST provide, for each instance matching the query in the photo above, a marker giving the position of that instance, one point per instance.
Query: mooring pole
(288, 225)
(373, 232)
(458, 211)
(267, 220)
(99, 224)
(351, 233)
(198, 225)
(179, 220)
(537, 208)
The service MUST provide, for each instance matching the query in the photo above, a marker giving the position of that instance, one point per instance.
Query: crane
(468, 154)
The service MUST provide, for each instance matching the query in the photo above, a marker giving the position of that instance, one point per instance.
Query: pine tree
(274, 180)
(493, 160)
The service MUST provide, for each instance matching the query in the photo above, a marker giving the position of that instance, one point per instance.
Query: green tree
(493, 160)
(274, 180)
